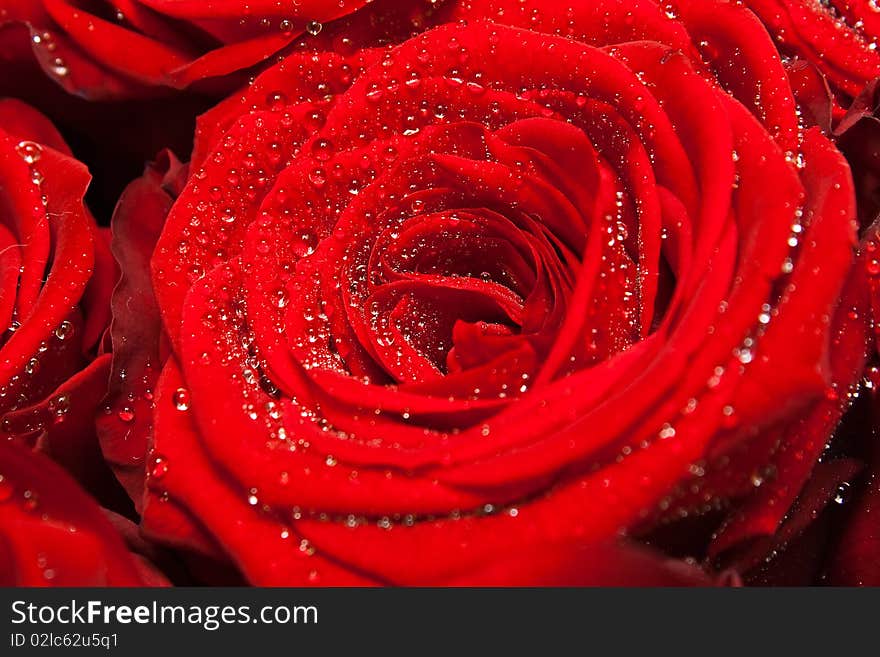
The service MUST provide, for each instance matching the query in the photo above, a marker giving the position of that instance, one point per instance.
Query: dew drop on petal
(30, 502)
(65, 330)
(322, 149)
(29, 151)
(276, 100)
(158, 466)
(59, 406)
(181, 399)
(318, 178)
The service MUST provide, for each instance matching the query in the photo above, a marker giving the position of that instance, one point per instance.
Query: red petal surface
(430, 312)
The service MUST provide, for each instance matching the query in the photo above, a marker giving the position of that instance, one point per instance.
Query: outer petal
(125, 425)
(53, 534)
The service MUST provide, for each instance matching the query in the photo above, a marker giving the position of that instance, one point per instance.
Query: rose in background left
(56, 275)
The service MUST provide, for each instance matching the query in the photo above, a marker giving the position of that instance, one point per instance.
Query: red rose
(57, 275)
(421, 313)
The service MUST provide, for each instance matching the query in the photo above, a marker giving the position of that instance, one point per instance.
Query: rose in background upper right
(839, 37)
(131, 48)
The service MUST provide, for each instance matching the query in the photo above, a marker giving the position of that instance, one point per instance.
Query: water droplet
(322, 149)
(59, 67)
(30, 151)
(30, 501)
(276, 100)
(375, 93)
(181, 399)
(65, 330)
(60, 405)
(280, 298)
(314, 28)
(318, 178)
(126, 414)
(158, 466)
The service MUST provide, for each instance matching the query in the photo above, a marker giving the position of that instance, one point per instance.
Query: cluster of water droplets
(16, 393)
(849, 28)
(45, 43)
(742, 357)
(230, 323)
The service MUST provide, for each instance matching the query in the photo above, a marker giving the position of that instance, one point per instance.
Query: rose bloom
(437, 314)
(56, 275)
(491, 292)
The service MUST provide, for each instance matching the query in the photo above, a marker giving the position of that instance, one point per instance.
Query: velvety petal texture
(429, 311)
(53, 534)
